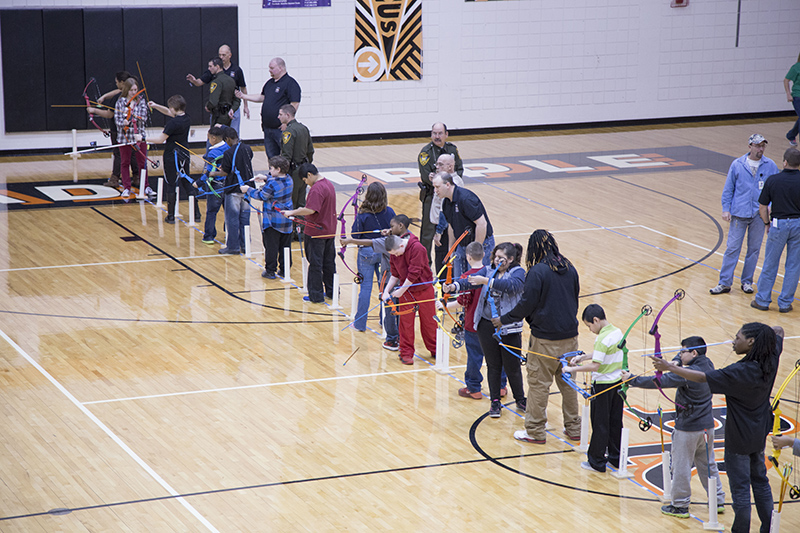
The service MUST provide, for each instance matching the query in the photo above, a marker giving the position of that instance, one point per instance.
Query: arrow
(371, 64)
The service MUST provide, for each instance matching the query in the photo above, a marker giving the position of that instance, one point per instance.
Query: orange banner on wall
(388, 45)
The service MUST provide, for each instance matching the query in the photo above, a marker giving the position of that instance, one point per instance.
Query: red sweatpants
(427, 324)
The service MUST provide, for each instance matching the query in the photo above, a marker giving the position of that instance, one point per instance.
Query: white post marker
(142, 178)
(585, 419)
(353, 301)
(247, 245)
(74, 155)
(287, 262)
(442, 365)
(383, 320)
(191, 210)
(335, 302)
(622, 471)
(305, 276)
(713, 521)
(177, 201)
(143, 213)
(666, 475)
(160, 198)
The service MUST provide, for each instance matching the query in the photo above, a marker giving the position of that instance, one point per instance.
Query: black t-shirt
(233, 71)
(276, 95)
(783, 190)
(177, 130)
(462, 211)
(244, 164)
(746, 391)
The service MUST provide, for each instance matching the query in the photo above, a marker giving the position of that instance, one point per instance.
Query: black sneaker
(677, 512)
(268, 275)
(522, 405)
(169, 219)
(495, 409)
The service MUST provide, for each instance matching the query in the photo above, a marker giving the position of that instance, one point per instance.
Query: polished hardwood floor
(148, 383)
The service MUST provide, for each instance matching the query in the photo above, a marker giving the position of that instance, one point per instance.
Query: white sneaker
(149, 192)
(747, 288)
(126, 193)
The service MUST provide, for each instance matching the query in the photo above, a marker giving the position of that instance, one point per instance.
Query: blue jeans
(237, 216)
(369, 264)
(272, 142)
(213, 203)
(237, 120)
(796, 128)
(754, 227)
(744, 472)
(786, 234)
(460, 262)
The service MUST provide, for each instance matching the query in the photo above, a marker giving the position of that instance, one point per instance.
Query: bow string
(644, 424)
(679, 295)
(353, 200)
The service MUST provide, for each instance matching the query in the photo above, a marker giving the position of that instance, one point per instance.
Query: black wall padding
(102, 35)
(63, 67)
(49, 56)
(182, 45)
(143, 43)
(23, 70)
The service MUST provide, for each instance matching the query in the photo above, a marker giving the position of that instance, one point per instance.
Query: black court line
(202, 276)
(67, 510)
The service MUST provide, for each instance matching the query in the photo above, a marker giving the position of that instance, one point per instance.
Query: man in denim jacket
(745, 180)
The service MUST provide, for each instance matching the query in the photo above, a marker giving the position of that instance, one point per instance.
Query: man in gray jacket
(694, 416)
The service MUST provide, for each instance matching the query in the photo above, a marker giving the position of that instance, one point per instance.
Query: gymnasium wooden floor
(149, 384)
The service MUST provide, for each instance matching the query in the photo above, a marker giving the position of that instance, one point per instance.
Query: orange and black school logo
(388, 43)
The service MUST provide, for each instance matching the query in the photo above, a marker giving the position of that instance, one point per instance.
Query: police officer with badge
(297, 148)
(222, 102)
(427, 168)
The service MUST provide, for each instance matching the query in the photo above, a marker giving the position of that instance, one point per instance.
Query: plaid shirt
(276, 193)
(139, 114)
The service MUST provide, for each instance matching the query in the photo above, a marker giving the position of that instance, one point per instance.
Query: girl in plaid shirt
(130, 115)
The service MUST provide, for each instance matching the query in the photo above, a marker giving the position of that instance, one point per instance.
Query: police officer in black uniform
(427, 168)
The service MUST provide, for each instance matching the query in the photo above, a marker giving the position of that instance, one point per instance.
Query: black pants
(497, 358)
(170, 178)
(321, 257)
(606, 414)
(274, 243)
(441, 251)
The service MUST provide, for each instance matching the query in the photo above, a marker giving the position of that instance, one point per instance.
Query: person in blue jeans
(782, 221)
(375, 219)
(470, 299)
(747, 385)
(237, 167)
(216, 147)
(743, 185)
(793, 96)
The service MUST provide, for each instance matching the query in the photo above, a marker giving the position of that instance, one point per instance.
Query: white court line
(262, 385)
(695, 245)
(108, 432)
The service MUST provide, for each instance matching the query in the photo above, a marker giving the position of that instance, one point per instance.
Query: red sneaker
(465, 393)
(407, 359)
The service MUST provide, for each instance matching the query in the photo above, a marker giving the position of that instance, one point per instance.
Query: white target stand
(287, 265)
(248, 252)
(713, 520)
(75, 155)
(191, 210)
(335, 300)
(666, 475)
(142, 186)
(177, 214)
(622, 471)
(585, 420)
(304, 289)
(442, 365)
(160, 196)
(353, 302)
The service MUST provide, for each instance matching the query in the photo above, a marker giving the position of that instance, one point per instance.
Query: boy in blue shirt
(216, 147)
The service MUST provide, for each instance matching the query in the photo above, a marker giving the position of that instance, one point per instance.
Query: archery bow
(794, 490)
(441, 296)
(133, 120)
(89, 102)
(679, 295)
(567, 377)
(644, 424)
(353, 200)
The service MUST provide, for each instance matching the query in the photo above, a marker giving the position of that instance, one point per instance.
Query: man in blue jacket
(746, 178)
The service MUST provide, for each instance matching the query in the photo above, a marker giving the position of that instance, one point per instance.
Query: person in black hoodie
(550, 305)
(688, 443)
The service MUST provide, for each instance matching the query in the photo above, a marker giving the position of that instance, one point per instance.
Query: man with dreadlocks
(746, 385)
(550, 305)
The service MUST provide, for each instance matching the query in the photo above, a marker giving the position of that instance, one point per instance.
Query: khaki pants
(541, 371)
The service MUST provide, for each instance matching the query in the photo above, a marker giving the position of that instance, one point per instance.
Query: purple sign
(296, 3)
